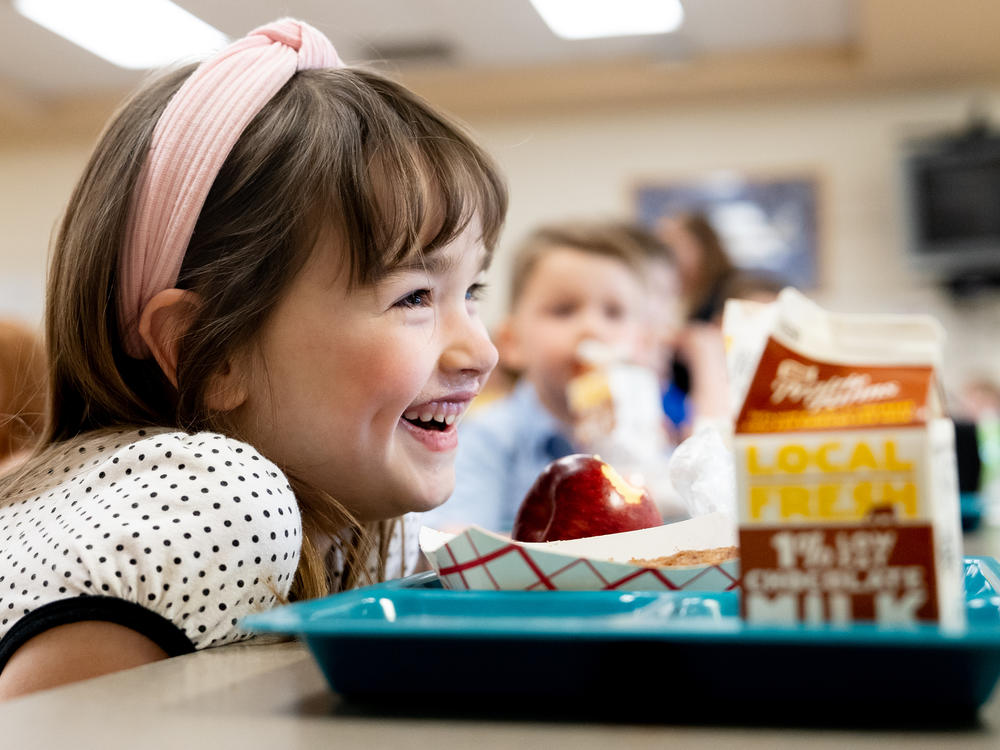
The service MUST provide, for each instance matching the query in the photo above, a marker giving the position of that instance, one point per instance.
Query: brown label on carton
(790, 392)
(875, 571)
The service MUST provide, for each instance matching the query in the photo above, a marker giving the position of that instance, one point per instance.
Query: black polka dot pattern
(198, 528)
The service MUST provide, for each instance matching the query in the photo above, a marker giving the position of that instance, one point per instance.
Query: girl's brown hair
(345, 148)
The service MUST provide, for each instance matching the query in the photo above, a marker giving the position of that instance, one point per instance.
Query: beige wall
(587, 162)
(35, 182)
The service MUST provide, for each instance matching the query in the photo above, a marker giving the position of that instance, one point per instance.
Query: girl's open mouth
(430, 424)
(435, 415)
(435, 423)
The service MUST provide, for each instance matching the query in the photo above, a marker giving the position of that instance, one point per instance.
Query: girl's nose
(469, 348)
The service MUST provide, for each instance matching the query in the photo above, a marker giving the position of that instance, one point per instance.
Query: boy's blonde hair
(620, 240)
(345, 148)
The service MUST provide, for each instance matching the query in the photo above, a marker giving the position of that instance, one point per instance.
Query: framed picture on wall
(768, 224)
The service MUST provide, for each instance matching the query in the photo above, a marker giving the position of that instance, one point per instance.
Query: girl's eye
(416, 298)
(475, 292)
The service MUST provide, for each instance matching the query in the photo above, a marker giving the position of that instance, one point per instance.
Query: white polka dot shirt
(176, 536)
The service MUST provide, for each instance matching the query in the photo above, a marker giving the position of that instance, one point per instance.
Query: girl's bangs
(427, 194)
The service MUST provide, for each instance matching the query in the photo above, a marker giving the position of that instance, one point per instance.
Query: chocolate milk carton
(847, 489)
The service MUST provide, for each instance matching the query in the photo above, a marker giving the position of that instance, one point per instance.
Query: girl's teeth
(446, 416)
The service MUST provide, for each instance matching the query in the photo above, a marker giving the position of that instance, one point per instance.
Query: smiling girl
(262, 328)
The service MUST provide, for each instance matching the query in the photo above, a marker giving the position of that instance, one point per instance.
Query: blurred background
(827, 139)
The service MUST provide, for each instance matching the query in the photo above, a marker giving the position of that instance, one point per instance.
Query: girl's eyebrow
(436, 263)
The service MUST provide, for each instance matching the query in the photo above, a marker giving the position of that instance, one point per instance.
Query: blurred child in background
(708, 278)
(702, 261)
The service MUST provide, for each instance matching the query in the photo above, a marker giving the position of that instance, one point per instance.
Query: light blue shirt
(501, 451)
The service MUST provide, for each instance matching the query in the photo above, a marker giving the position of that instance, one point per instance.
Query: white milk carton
(847, 490)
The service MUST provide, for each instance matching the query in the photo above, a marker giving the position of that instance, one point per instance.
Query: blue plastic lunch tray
(681, 650)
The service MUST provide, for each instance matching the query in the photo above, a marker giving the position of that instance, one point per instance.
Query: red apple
(581, 495)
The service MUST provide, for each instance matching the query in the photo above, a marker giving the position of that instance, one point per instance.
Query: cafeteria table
(274, 696)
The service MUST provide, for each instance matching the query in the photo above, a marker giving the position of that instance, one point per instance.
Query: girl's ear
(164, 321)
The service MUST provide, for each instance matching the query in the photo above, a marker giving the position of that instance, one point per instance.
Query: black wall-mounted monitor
(952, 201)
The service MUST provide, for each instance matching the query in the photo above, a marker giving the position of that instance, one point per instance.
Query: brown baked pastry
(691, 557)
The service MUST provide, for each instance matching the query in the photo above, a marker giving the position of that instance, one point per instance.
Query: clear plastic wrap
(702, 473)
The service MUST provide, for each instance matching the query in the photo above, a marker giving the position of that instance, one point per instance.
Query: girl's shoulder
(208, 450)
(199, 529)
(129, 451)
(152, 461)
(146, 464)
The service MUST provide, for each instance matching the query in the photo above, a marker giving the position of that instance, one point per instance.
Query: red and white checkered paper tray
(480, 559)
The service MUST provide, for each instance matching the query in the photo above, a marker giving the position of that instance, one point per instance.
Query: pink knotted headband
(191, 140)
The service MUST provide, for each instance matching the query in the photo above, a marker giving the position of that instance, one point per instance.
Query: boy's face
(362, 387)
(571, 296)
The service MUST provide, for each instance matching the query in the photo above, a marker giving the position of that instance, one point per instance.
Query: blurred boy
(569, 284)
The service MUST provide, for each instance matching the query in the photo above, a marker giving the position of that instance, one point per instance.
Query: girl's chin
(402, 506)
(427, 504)
(414, 483)
(421, 502)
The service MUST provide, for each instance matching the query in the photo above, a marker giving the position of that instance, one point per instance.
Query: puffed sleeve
(199, 529)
